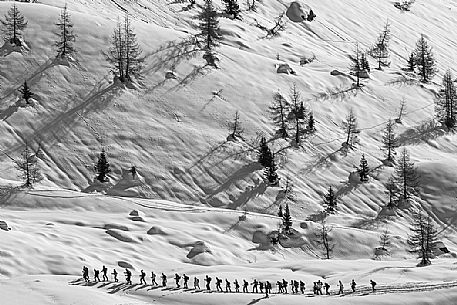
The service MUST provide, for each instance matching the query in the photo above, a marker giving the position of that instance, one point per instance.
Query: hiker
(280, 289)
(254, 286)
(310, 16)
(319, 287)
(128, 276)
(218, 284)
(177, 279)
(208, 281)
(196, 283)
(353, 284)
(142, 276)
(261, 286)
(115, 275)
(267, 288)
(284, 285)
(186, 279)
(237, 286)
(327, 286)
(341, 287)
(302, 287)
(153, 279)
(373, 284)
(96, 273)
(227, 286)
(164, 280)
(104, 270)
(245, 286)
(86, 274)
(296, 286)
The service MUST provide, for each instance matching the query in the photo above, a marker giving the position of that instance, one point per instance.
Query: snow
(192, 186)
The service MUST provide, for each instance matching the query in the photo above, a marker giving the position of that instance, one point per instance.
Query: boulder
(4, 226)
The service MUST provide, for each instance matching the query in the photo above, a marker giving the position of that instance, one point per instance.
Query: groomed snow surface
(182, 213)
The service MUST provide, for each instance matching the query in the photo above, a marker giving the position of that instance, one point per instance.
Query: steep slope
(174, 131)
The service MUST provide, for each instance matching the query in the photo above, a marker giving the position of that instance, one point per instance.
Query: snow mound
(263, 239)
(124, 264)
(156, 231)
(116, 226)
(198, 247)
(129, 186)
(121, 235)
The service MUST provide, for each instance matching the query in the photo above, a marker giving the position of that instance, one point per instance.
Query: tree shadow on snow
(428, 130)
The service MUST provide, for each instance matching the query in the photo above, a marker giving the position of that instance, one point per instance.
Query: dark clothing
(105, 270)
(302, 287)
(254, 287)
(284, 285)
(142, 278)
(245, 286)
(237, 286)
(208, 281)
(327, 286)
(186, 279)
(128, 276)
(196, 283)
(353, 284)
(177, 279)
(115, 276)
(96, 274)
(218, 284)
(373, 284)
(153, 279)
(227, 286)
(164, 280)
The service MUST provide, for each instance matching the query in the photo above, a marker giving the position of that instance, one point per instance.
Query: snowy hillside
(193, 184)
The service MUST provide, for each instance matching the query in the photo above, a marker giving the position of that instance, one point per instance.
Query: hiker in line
(261, 286)
(186, 280)
(353, 284)
(319, 287)
(196, 283)
(133, 171)
(164, 280)
(115, 275)
(373, 284)
(267, 288)
(96, 273)
(296, 286)
(208, 281)
(254, 286)
(153, 279)
(227, 286)
(237, 286)
(177, 279)
(142, 276)
(128, 276)
(86, 274)
(280, 289)
(327, 287)
(245, 286)
(284, 285)
(104, 270)
(341, 291)
(218, 284)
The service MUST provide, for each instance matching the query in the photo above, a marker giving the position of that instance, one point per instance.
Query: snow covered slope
(174, 131)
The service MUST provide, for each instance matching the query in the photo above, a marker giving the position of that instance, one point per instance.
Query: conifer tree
(66, 37)
(384, 240)
(278, 111)
(446, 105)
(133, 52)
(423, 238)
(406, 177)
(381, 49)
(356, 66)
(324, 239)
(27, 94)
(365, 65)
(350, 127)
(102, 167)
(280, 213)
(232, 8)
(330, 201)
(411, 62)
(401, 111)
(299, 113)
(270, 173)
(392, 191)
(287, 220)
(265, 155)
(28, 166)
(14, 24)
(116, 52)
(424, 60)
(289, 193)
(363, 170)
(311, 128)
(210, 32)
(236, 130)
(389, 140)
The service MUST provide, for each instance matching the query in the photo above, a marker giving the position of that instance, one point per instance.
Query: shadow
(116, 288)
(8, 112)
(255, 301)
(338, 92)
(142, 287)
(196, 71)
(154, 288)
(317, 217)
(104, 285)
(428, 130)
(249, 193)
